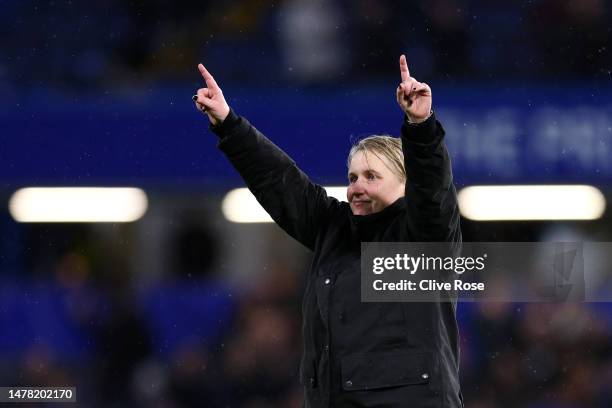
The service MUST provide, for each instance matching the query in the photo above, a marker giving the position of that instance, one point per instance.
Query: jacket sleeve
(297, 205)
(431, 198)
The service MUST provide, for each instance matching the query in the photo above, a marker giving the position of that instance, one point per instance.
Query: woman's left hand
(413, 97)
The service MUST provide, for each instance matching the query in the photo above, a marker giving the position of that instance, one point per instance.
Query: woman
(361, 354)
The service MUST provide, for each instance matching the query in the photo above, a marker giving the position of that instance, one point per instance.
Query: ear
(402, 187)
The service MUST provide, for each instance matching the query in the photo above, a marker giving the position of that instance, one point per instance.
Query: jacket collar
(369, 223)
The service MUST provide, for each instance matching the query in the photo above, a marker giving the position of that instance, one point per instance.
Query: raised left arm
(431, 198)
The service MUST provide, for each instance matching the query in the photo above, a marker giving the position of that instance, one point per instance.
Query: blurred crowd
(80, 45)
(80, 315)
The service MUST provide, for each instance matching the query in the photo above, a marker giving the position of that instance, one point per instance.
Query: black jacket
(362, 354)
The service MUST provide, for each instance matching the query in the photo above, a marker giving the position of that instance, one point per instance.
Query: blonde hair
(381, 145)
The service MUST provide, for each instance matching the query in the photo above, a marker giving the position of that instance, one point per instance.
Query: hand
(210, 100)
(413, 97)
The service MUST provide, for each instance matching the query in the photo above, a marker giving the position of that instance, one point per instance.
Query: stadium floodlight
(531, 202)
(241, 206)
(78, 204)
(336, 192)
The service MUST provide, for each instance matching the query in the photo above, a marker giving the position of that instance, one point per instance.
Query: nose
(354, 190)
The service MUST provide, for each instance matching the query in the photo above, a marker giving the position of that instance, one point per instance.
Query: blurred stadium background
(183, 307)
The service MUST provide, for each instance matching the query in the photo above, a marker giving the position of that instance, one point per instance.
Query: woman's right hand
(210, 100)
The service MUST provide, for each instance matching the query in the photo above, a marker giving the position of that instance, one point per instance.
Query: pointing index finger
(404, 68)
(210, 81)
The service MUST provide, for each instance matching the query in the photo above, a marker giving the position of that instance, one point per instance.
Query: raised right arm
(296, 204)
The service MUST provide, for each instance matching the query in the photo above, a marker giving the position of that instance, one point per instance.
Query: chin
(361, 211)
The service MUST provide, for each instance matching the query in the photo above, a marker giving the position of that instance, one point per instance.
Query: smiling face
(372, 183)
